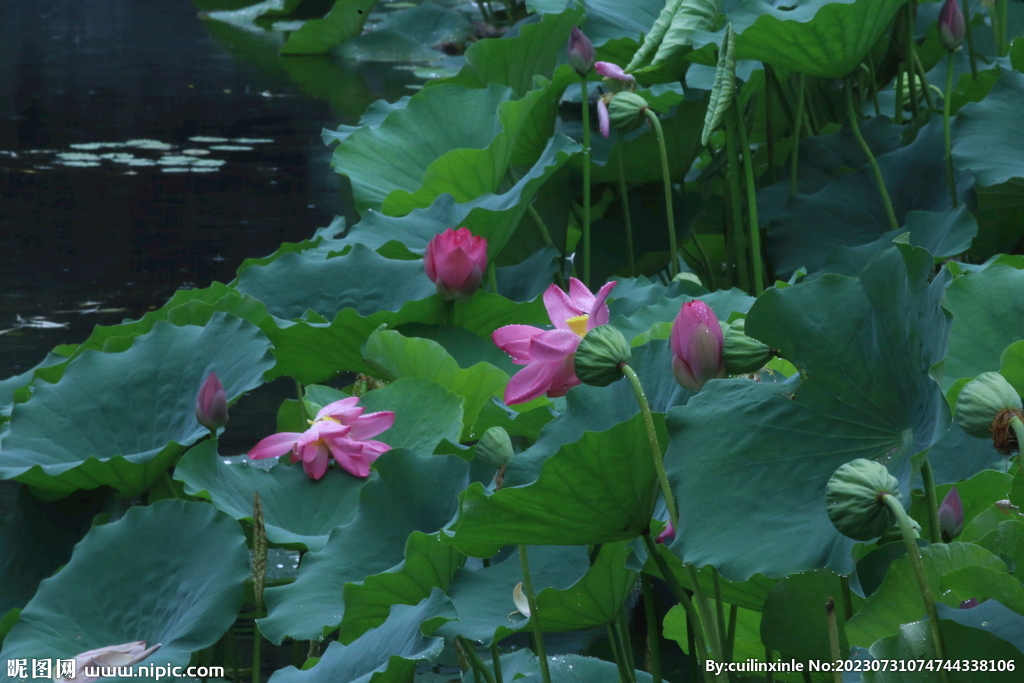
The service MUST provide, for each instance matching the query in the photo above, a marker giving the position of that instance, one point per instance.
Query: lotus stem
(1018, 431)
(259, 572)
(627, 643)
(615, 643)
(930, 501)
(738, 240)
(666, 177)
(496, 660)
(653, 644)
(233, 654)
(707, 617)
(723, 636)
(966, 5)
(624, 193)
(908, 56)
(585, 99)
(474, 659)
(531, 600)
(874, 84)
(699, 646)
(652, 440)
(922, 579)
(769, 658)
(769, 128)
(998, 14)
(755, 228)
(730, 635)
(796, 136)
(833, 638)
(898, 113)
(545, 234)
(919, 67)
(302, 401)
(855, 127)
(945, 129)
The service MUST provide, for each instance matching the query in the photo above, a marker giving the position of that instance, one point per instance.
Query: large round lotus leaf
(842, 225)
(824, 38)
(794, 622)
(120, 419)
(898, 599)
(988, 316)
(388, 653)
(991, 616)
(563, 669)
(411, 493)
(599, 489)
(491, 215)
(988, 137)
(298, 511)
(25, 559)
(169, 573)
(749, 461)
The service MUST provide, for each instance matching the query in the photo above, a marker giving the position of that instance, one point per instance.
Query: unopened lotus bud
(855, 499)
(580, 52)
(627, 111)
(495, 448)
(601, 355)
(951, 25)
(982, 400)
(743, 354)
(212, 404)
(951, 515)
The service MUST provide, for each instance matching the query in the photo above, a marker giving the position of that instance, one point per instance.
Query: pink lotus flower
(212, 404)
(548, 354)
(341, 431)
(951, 516)
(696, 342)
(603, 120)
(951, 25)
(667, 535)
(455, 261)
(614, 71)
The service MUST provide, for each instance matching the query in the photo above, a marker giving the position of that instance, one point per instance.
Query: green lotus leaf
(671, 36)
(594, 600)
(414, 155)
(429, 563)
(396, 356)
(599, 489)
(749, 594)
(409, 35)
(751, 460)
(724, 302)
(746, 645)
(298, 512)
(1011, 366)
(515, 60)
(169, 573)
(483, 595)
(987, 136)
(410, 493)
(914, 642)
(386, 654)
(120, 419)
(563, 669)
(976, 495)
(1006, 541)
(493, 216)
(609, 20)
(823, 38)
(898, 599)
(988, 316)
(990, 616)
(839, 227)
(318, 36)
(27, 559)
(794, 621)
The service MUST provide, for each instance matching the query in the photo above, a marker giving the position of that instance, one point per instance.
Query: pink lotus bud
(603, 121)
(455, 261)
(212, 404)
(696, 342)
(951, 25)
(613, 71)
(580, 52)
(667, 535)
(951, 515)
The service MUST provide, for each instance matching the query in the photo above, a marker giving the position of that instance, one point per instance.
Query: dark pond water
(143, 150)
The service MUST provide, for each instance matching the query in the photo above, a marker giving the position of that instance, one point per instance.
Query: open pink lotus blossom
(549, 354)
(340, 431)
(455, 261)
(613, 71)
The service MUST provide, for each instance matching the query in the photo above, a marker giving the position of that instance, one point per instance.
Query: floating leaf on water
(147, 144)
(203, 138)
(232, 148)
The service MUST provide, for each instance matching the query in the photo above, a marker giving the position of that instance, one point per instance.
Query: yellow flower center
(578, 324)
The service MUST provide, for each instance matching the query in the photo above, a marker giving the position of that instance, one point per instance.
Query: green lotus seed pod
(981, 400)
(743, 354)
(627, 111)
(854, 499)
(495, 448)
(600, 355)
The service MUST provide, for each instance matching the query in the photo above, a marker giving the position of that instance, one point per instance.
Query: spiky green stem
(496, 660)
(736, 209)
(946, 104)
(796, 136)
(907, 530)
(652, 440)
(966, 5)
(833, 638)
(531, 600)
(585, 99)
(627, 218)
(755, 228)
(667, 179)
(855, 127)
(653, 644)
(908, 56)
(930, 501)
(474, 659)
(874, 84)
